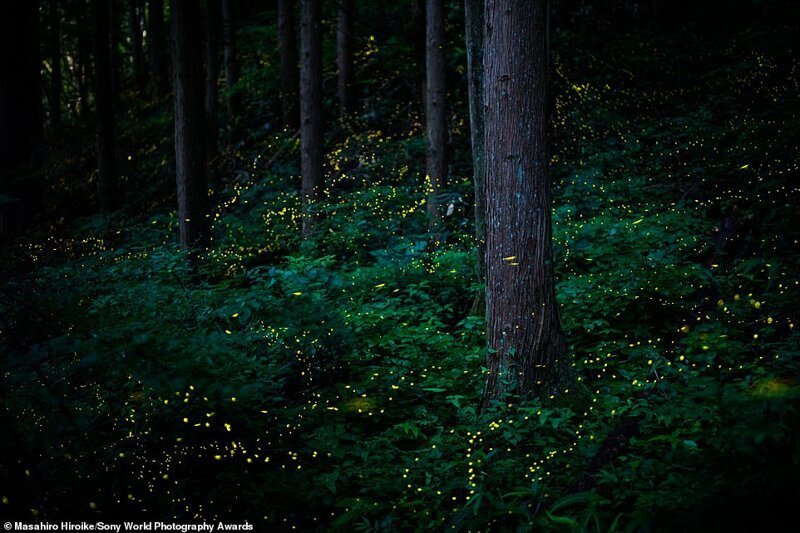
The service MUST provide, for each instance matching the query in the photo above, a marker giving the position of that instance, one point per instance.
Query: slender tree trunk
(55, 65)
(20, 114)
(84, 69)
(213, 30)
(344, 56)
(231, 63)
(116, 57)
(137, 51)
(310, 107)
(418, 42)
(526, 344)
(474, 21)
(190, 131)
(290, 79)
(104, 114)
(435, 117)
(156, 49)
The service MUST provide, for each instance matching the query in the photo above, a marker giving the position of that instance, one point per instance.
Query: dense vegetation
(333, 381)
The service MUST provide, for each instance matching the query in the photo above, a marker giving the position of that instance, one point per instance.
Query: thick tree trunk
(310, 107)
(290, 78)
(213, 31)
(526, 345)
(474, 21)
(54, 44)
(344, 57)
(231, 62)
(156, 48)
(20, 114)
(137, 51)
(190, 131)
(435, 112)
(104, 113)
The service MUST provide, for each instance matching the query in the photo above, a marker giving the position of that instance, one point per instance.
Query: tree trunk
(310, 107)
(435, 117)
(344, 56)
(157, 43)
(474, 21)
(137, 51)
(54, 45)
(417, 35)
(104, 112)
(231, 64)
(83, 72)
(287, 46)
(190, 131)
(20, 114)
(213, 31)
(526, 345)
(116, 57)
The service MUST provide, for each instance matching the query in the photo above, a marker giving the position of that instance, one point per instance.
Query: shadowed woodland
(401, 265)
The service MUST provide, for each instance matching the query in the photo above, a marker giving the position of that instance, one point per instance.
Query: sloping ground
(333, 383)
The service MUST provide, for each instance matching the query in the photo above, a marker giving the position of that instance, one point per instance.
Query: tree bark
(474, 21)
(84, 70)
(344, 57)
(190, 131)
(526, 344)
(417, 35)
(116, 57)
(213, 30)
(231, 63)
(54, 44)
(310, 107)
(290, 79)
(104, 112)
(156, 40)
(137, 51)
(435, 117)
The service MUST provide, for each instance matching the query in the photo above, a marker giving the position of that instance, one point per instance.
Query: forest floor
(333, 382)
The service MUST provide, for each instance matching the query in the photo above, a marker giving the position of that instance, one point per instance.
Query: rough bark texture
(190, 131)
(290, 77)
(213, 31)
(104, 112)
(526, 344)
(54, 45)
(137, 51)
(344, 57)
(20, 114)
(310, 106)
(474, 21)
(157, 45)
(231, 63)
(435, 117)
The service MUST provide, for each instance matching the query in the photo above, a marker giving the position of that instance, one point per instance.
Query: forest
(400, 265)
